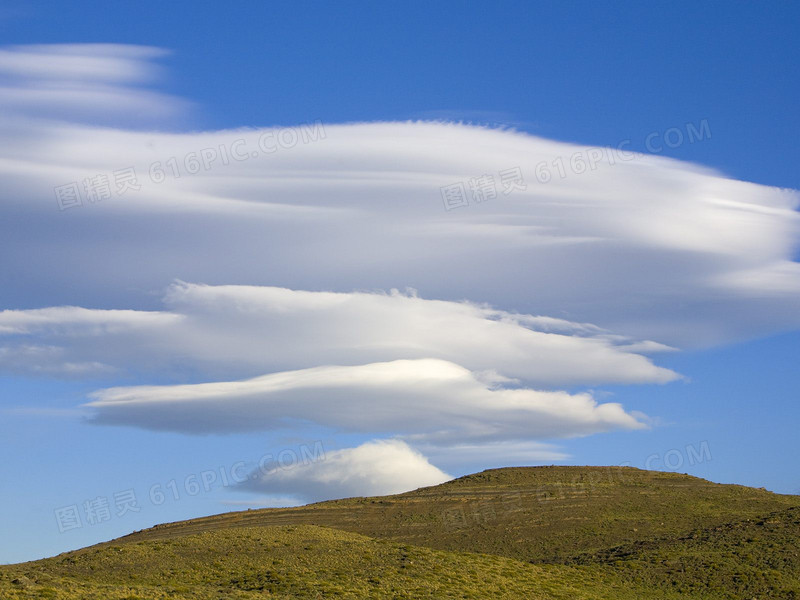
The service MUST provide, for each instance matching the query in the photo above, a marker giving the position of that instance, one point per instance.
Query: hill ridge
(590, 532)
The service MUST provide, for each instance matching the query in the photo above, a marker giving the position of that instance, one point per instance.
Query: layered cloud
(69, 321)
(84, 81)
(624, 254)
(649, 247)
(430, 400)
(249, 330)
(437, 372)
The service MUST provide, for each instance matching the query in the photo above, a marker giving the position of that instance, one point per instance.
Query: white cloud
(84, 81)
(80, 62)
(437, 372)
(650, 248)
(73, 320)
(238, 331)
(637, 255)
(429, 400)
(374, 468)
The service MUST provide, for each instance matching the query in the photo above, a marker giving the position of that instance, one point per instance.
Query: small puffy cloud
(431, 400)
(374, 468)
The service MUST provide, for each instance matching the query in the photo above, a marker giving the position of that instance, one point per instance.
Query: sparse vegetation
(543, 532)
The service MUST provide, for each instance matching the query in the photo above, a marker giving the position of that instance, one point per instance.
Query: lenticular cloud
(650, 248)
(235, 331)
(540, 265)
(433, 400)
(441, 372)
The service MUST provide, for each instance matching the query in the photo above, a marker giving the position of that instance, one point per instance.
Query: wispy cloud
(83, 81)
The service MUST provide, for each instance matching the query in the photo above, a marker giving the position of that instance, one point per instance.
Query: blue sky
(674, 267)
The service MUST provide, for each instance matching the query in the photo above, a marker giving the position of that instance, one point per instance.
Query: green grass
(297, 562)
(539, 514)
(755, 558)
(540, 532)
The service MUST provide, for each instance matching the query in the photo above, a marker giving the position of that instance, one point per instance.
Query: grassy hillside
(296, 562)
(539, 514)
(755, 558)
(539, 532)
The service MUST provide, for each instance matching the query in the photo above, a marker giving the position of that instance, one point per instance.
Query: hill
(535, 514)
(533, 532)
(302, 561)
